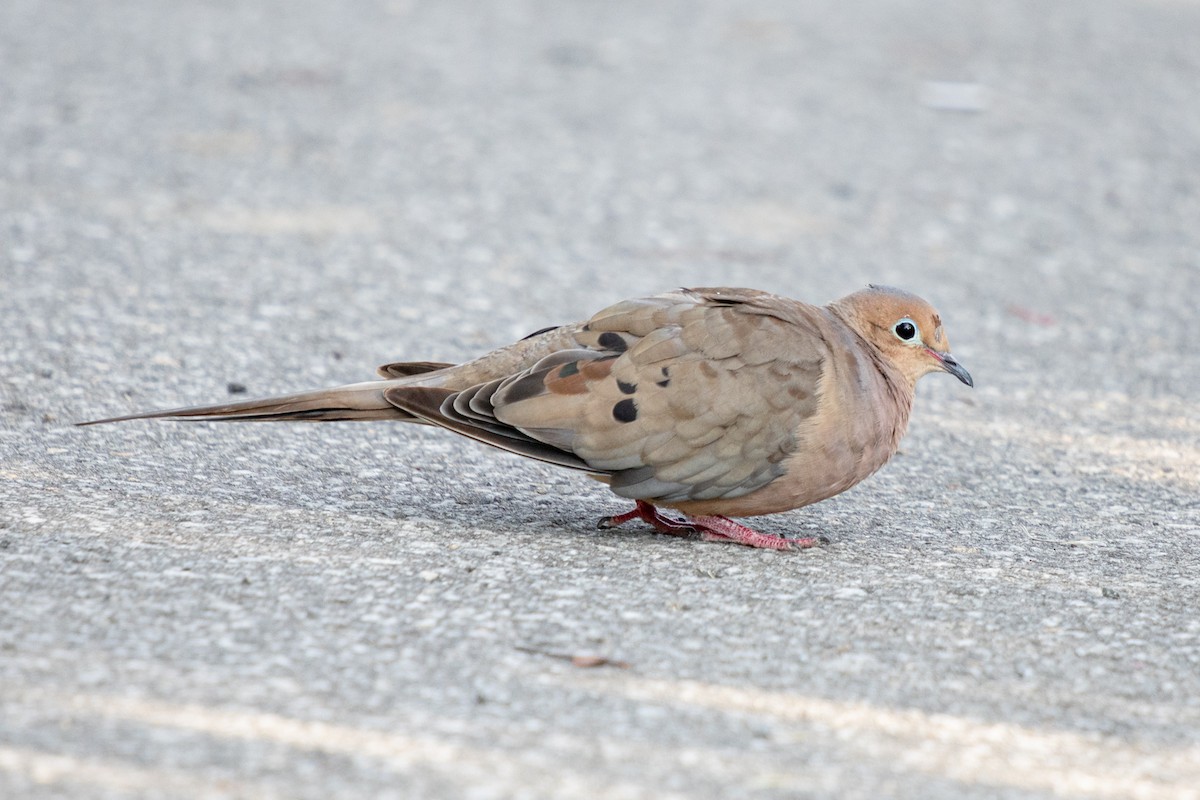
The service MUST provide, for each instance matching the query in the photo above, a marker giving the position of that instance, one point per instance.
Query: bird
(711, 402)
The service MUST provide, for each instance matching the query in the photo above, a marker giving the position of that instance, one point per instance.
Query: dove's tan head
(906, 330)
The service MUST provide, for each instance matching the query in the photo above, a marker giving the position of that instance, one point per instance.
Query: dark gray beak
(951, 365)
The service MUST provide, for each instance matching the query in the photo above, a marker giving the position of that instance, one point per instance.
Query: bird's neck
(900, 389)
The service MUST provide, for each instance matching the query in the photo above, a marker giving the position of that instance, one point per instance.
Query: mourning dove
(714, 402)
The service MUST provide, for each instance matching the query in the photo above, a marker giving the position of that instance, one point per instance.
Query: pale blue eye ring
(906, 330)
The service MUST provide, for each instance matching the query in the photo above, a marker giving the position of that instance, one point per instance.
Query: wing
(404, 369)
(691, 395)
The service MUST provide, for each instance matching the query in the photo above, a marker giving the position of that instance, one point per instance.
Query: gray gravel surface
(199, 198)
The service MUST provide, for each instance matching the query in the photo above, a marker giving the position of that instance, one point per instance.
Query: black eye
(906, 329)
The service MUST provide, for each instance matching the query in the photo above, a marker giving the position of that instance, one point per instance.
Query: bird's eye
(905, 329)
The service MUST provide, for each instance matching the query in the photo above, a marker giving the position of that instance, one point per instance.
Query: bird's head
(906, 330)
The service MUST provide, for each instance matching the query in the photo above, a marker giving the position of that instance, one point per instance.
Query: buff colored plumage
(715, 402)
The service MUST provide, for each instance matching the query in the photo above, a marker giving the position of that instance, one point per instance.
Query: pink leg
(711, 529)
(648, 513)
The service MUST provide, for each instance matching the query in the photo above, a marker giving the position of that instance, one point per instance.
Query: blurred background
(214, 198)
(267, 165)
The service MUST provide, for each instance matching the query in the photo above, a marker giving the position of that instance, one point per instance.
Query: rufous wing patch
(567, 379)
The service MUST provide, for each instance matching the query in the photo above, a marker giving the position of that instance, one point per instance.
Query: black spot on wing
(613, 341)
(625, 411)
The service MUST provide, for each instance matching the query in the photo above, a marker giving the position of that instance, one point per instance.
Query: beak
(951, 365)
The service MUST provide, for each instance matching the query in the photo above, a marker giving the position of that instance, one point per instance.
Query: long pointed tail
(354, 401)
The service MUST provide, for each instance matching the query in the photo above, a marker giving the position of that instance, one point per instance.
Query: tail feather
(357, 401)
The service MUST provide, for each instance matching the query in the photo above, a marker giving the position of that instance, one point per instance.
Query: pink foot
(711, 529)
(723, 529)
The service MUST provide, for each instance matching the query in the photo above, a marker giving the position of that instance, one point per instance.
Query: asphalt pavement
(215, 200)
